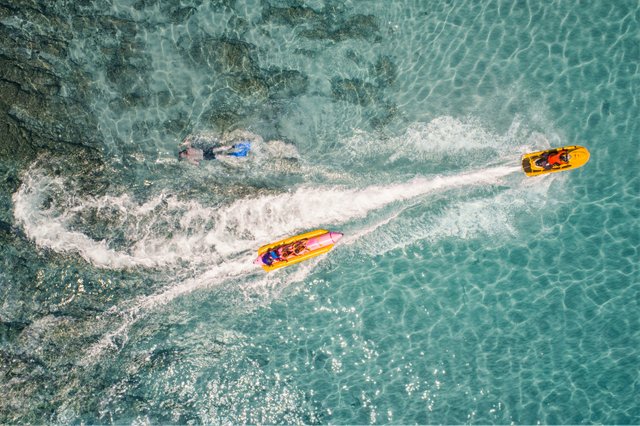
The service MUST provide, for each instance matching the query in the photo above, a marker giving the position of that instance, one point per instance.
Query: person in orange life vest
(551, 160)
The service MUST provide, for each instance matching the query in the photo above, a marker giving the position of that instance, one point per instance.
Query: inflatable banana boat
(554, 160)
(296, 249)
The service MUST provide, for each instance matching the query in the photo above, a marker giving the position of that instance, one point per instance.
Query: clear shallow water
(462, 291)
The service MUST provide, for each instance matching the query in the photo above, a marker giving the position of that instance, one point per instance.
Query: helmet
(565, 157)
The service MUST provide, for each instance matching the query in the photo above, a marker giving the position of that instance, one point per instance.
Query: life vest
(270, 257)
(555, 158)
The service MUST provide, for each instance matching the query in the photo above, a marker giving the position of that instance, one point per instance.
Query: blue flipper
(240, 149)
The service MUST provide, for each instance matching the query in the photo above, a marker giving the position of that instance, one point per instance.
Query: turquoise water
(462, 292)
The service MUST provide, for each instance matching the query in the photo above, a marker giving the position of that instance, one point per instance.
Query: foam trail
(239, 268)
(444, 135)
(279, 215)
(355, 236)
(203, 232)
(47, 229)
(140, 306)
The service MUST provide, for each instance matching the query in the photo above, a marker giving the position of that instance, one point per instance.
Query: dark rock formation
(222, 55)
(354, 91)
(329, 23)
(286, 83)
(385, 71)
(42, 105)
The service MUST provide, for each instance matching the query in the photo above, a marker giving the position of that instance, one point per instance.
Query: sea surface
(462, 292)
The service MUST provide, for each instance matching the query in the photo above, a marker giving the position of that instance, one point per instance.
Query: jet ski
(296, 249)
(554, 160)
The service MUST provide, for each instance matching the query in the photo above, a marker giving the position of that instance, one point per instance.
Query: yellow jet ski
(554, 160)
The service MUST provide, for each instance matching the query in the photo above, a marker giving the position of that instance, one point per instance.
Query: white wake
(200, 233)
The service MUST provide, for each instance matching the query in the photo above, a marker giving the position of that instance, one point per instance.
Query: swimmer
(195, 155)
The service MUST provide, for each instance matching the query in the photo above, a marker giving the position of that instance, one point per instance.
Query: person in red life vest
(550, 160)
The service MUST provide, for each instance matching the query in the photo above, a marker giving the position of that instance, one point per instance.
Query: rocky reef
(42, 97)
(329, 23)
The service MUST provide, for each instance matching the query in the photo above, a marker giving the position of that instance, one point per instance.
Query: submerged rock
(223, 55)
(354, 91)
(294, 15)
(127, 70)
(225, 119)
(330, 23)
(250, 87)
(39, 107)
(357, 26)
(286, 83)
(176, 12)
(384, 115)
(385, 71)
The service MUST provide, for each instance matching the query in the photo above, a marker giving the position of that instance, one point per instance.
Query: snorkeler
(194, 154)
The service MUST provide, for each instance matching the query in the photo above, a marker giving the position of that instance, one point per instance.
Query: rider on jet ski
(550, 160)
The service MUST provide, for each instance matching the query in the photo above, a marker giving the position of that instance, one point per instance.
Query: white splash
(203, 234)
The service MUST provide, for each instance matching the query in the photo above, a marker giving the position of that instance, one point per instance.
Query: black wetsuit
(208, 153)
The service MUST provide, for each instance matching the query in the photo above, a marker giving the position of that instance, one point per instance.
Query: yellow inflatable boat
(554, 160)
(296, 249)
